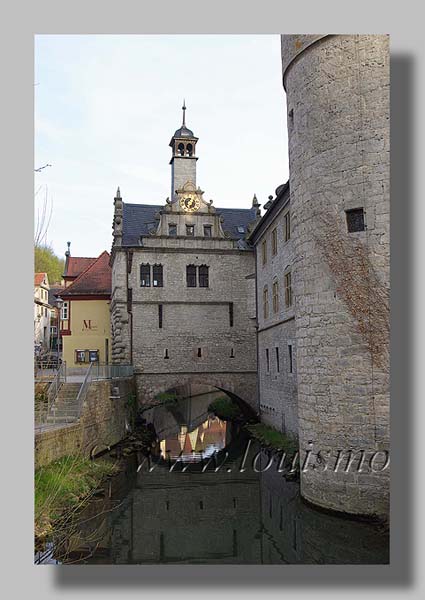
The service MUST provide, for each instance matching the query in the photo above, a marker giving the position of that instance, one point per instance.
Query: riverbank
(63, 487)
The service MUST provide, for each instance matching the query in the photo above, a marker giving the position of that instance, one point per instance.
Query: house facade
(85, 313)
(42, 312)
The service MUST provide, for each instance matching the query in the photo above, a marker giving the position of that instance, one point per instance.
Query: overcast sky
(107, 106)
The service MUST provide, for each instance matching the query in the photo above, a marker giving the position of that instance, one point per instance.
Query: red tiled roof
(95, 280)
(38, 278)
(75, 265)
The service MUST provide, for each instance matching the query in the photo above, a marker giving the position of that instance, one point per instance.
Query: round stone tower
(337, 90)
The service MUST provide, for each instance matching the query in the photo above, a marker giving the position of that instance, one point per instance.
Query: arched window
(180, 149)
(203, 276)
(189, 149)
(145, 275)
(157, 276)
(275, 297)
(288, 288)
(191, 276)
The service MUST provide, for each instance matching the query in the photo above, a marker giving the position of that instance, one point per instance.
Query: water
(192, 512)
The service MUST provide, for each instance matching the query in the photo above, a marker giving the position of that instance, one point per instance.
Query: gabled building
(183, 286)
(42, 310)
(85, 316)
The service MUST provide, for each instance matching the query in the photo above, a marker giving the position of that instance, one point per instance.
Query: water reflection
(227, 516)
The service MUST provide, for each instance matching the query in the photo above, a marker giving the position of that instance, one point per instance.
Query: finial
(255, 201)
(184, 112)
(118, 194)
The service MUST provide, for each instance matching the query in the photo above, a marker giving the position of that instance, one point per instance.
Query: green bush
(225, 409)
(268, 436)
(166, 398)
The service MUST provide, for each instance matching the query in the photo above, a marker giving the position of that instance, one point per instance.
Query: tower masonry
(337, 90)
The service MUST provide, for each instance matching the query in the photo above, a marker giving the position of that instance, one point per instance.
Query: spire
(184, 113)
(68, 252)
(118, 194)
(255, 202)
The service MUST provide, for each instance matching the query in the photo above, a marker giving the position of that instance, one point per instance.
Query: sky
(106, 107)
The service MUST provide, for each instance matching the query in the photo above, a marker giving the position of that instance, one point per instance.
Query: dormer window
(241, 229)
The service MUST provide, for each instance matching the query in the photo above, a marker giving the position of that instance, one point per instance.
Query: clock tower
(183, 160)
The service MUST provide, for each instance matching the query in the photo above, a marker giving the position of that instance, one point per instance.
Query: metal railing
(101, 371)
(43, 411)
(82, 394)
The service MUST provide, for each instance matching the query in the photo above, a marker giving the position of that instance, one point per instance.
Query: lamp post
(59, 303)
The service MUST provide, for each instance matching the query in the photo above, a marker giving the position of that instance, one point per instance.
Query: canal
(202, 499)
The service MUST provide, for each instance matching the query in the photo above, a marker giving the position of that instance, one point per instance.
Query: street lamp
(59, 303)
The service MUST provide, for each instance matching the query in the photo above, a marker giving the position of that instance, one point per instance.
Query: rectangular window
(274, 242)
(145, 275)
(264, 251)
(207, 231)
(190, 230)
(191, 276)
(231, 314)
(287, 226)
(172, 229)
(265, 302)
(93, 355)
(355, 220)
(64, 311)
(288, 289)
(160, 316)
(53, 330)
(267, 361)
(166, 355)
(199, 352)
(80, 356)
(157, 276)
(291, 365)
(277, 360)
(275, 297)
(203, 276)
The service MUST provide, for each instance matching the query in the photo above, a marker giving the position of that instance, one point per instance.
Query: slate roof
(75, 265)
(137, 218)
(95, 280)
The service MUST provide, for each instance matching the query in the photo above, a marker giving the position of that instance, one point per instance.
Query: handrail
(52, 393)
(84, 388)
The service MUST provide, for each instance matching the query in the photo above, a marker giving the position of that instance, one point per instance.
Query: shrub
(225, 409)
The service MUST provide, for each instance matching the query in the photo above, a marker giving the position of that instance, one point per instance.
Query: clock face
(190, 203)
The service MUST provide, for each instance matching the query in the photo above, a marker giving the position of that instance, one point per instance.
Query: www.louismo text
(344, 461)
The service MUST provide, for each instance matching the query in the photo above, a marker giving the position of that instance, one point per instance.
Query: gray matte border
(237, 16)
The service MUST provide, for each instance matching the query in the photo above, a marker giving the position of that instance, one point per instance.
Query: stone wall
(338, 129)
(103, 423)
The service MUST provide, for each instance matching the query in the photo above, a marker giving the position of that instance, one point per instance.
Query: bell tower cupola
(183, 159)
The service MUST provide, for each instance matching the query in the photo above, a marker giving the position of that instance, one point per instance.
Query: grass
(268, 436)
(225, 409)
(63, 486)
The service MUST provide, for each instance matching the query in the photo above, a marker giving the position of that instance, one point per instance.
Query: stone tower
(337, 90)
(183, 160)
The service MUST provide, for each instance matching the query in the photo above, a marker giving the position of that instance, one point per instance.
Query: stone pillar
(337, 90)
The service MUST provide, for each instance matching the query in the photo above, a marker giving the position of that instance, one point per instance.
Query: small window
(264, 251)
(231, 314)
(145, 275)
(291, 366)
(275, 297)
(287, 226)
(355, 220)
(64, 311)
(172, 229)
(166, 355)
(203, 276)
(191, 276)
(232, 353)
(93, 355)
(190, 230)
(288, 289)
(277, 360)
(274, 242)
(207, 231)
(160, 316)
(157, 276)
(265, 302)
(199, 352)
(80, 356)
(267, 361)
